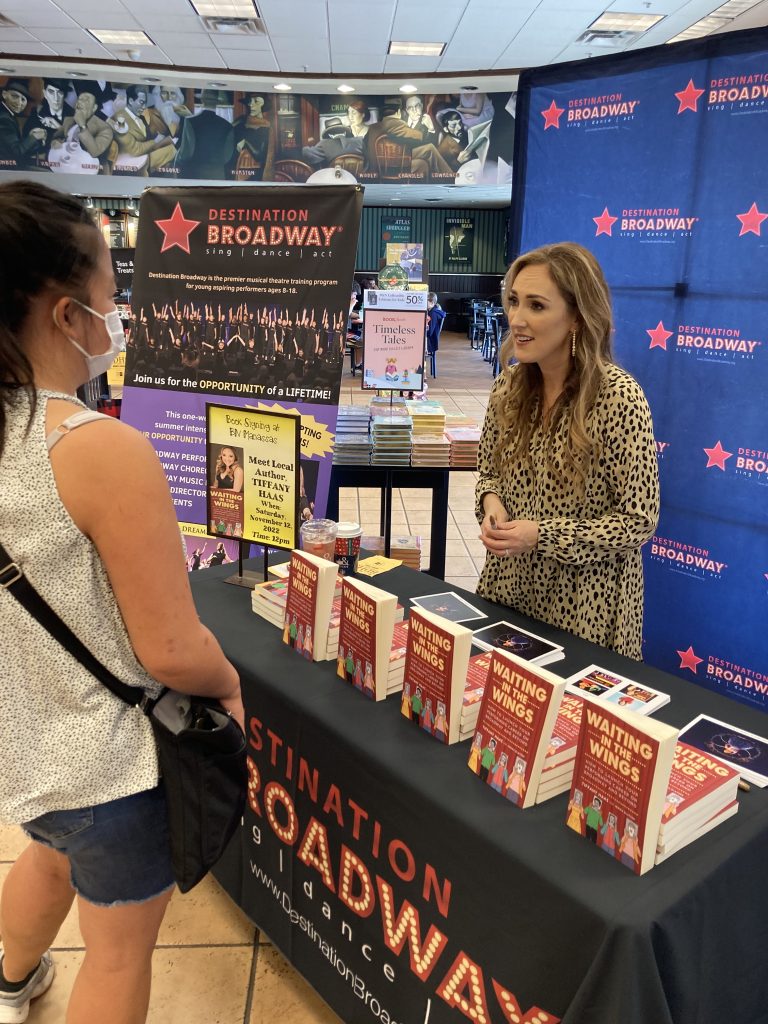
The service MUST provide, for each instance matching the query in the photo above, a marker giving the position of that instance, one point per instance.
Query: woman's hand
(505, 537)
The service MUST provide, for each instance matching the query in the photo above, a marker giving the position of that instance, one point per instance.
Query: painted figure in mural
(453, 137)
(340, 138)
(134, 136)
(83, 142)
(16, 150)
(415, 132)
(254, 142)
(168, 111)
(48, 117)
(207, 142)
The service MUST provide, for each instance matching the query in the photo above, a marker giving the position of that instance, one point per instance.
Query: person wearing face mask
(79, 768)
(568, 485)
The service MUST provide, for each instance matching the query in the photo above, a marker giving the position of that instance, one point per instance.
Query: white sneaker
(14, 1006)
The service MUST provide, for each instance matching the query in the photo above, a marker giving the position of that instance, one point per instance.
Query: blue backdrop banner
(656, 162)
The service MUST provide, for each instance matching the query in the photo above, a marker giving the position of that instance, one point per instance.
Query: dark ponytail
(43, 246)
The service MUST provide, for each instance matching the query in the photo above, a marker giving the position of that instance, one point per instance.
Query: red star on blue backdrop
(604, 223)
(552, 115)
(659, 336)
(716, 456)
(688, 659)
(177, 230)
(751, 220)
(689, 98)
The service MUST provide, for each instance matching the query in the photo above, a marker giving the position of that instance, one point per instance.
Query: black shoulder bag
(201, 749)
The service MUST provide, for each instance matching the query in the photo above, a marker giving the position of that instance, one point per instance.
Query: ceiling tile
(141, 7)
(104, 19)
(35, 19)
(239, 60)
(255, 44)
(358, 63)
(83, 48)
(208, 57)
(170, 23)
(282, 20)
(313, 60)
(14, 35)
(35, 49)
(422, 24)
(184, 40)
(64, 35)
(410, 65)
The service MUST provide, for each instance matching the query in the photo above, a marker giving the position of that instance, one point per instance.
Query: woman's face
(539, 318)
(355, 116)
(255, 105)
(228, 457)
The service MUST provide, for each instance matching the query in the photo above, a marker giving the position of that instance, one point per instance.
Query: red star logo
(751, 220)
(552, 115)
(177, 230)
(604, 223)
(659, 336)
(716, 456)
(689, 98)
(688, 659)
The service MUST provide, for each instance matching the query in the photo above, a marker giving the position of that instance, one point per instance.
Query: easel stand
(249, 578)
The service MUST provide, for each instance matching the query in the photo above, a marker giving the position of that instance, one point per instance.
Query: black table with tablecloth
(405, 890)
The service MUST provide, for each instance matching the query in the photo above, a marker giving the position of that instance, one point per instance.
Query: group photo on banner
(240, 299)
(161, 131)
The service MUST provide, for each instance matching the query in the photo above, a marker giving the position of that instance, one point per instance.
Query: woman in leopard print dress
(568, 488)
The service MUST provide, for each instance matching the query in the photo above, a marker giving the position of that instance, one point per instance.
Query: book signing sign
(686, 258)
(240, 296)
(253, 475)
(393, 340)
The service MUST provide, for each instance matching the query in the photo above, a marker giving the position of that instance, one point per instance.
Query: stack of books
(352, 450)
(464, 442)
(477, 676)
(397, 657)
(383, 406)
(557, 773)
(353, 419)
(459, 421)
(391, 435)
(430, 450)
(428, 417)
(407, 550)
(269, 601)
(374, 545)
(701, 794)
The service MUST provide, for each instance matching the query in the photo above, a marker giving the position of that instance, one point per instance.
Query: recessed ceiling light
(618, 21)
(111, 37)
(345, 88)
(151, 79)
(217, 85)
(282, 87)
(77, 74)
(409, 88)
(468, 88)
(225, 8)
(7, 71)
(716, 20)
(416, 49)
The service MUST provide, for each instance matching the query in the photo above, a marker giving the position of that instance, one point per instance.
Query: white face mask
(99, 364)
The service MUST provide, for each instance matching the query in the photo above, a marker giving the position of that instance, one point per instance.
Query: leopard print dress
(586, 573)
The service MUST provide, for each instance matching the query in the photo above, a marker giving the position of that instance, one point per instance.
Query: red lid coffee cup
(347, 547)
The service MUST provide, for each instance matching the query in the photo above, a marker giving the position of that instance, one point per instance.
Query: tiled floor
(211, 965)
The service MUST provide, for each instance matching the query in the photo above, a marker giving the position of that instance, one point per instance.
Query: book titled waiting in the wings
(365, 636)
(435, 674)
(515, 723)
(311, 587)
(620, 782)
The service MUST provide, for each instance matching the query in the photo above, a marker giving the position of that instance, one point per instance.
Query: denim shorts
(118, 852)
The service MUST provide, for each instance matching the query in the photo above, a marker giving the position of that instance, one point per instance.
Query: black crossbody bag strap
(13, 580)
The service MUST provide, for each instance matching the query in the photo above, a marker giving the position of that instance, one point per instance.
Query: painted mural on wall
(58, 125)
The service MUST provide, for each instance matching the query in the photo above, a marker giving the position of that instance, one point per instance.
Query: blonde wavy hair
(580, 280)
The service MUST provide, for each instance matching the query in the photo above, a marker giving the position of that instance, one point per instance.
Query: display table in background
(398, 884)
(435, 478)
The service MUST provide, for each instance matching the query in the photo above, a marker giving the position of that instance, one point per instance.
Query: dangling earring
(573, 344)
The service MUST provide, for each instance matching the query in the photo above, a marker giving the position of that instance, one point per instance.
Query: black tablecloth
(461, 896)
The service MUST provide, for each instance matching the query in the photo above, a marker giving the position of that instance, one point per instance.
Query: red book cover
(435, 674)
(311, 587)
(620, 781)
(565, 735)
(698, 783)
(367, 619)
(514, 727)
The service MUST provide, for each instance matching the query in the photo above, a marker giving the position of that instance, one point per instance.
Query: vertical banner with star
(669, 152)
(241, 297)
